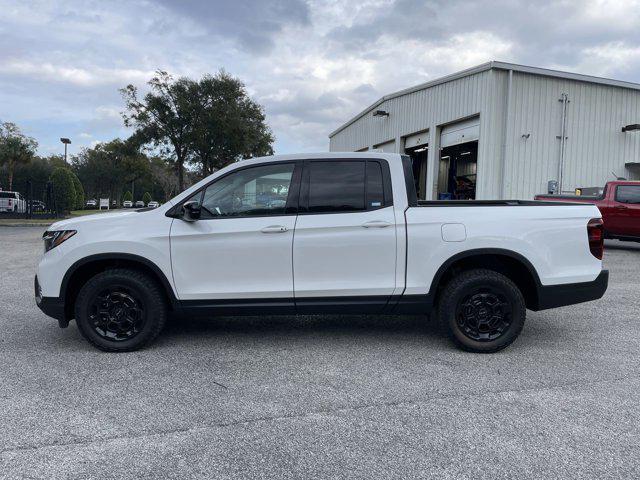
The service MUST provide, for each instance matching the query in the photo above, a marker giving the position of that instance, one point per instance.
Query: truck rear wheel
(482, 310)
(120, 310)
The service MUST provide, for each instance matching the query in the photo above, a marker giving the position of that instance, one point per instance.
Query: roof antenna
(616, 175)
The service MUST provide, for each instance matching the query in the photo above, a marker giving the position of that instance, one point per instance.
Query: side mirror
(190, 211)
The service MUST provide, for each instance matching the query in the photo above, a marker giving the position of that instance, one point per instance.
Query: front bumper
(553, 296)
(50, 306)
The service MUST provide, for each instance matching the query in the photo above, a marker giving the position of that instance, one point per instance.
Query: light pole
(66, 142)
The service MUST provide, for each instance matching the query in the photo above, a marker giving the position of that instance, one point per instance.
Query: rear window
(337, 186)
(628, 194)
(7, 194)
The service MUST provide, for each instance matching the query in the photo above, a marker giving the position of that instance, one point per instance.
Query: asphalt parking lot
(339, 397)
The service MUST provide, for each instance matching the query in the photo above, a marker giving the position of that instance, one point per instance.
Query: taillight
(595, 232)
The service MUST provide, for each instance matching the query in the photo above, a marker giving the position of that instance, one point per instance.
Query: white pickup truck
(12, 202)
(320, 233)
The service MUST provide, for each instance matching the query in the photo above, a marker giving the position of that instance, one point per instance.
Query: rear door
(344, 248)
(624, 213)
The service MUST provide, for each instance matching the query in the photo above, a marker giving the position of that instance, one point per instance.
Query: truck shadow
(624, 246)
(358, 330)
(178, 326)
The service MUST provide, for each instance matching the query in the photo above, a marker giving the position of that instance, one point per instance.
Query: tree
(146, 198)
(128, 196)
(56, 160)
(163, 177)
(79, 197)
(209, 123)
(38, 170)
(227, 125)
(163, 117)
(108, 168)
(63, 189)
(15, 148)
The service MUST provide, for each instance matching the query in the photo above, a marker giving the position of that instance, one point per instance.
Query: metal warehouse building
(501, 130)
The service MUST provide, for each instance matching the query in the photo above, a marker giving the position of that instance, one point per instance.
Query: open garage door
(417, 147)
(457, 173)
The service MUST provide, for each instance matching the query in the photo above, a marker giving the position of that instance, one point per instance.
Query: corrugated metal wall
(387, 147)
(595, 144)
(594, 148)
(430, 109)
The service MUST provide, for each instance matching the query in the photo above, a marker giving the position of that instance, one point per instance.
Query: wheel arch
(507, 262)
(87, 267)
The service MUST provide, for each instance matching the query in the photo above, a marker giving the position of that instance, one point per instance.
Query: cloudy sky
(312, 64)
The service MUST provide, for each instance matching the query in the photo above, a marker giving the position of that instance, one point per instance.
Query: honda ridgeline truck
(320, 233)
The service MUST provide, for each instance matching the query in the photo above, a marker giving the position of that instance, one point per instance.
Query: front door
(624, 213)
(241, 247)
(344, 249)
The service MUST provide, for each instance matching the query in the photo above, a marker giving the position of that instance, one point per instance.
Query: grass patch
(10, 222)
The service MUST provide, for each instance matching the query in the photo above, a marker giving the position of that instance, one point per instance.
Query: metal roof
(488, 66)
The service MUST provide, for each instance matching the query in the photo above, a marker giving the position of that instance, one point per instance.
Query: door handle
(274, 229)
(376, 224)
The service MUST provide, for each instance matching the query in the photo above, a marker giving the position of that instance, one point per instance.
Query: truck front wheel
(483, 310)
(121, 310)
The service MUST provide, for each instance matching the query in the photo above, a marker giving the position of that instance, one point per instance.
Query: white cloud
(313, 64)
(83, 77)
(108, 111)
(610, 58)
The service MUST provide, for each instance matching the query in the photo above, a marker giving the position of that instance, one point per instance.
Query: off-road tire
(148, 293)
(457, 296)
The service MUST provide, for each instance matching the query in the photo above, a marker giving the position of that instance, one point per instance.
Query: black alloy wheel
(484, 315)
(482, 310)
(116, 314)
(121, 309)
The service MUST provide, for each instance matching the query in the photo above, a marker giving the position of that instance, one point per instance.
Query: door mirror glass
(191, 211)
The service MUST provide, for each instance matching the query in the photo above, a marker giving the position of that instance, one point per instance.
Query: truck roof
(319, 155)
(624, 182)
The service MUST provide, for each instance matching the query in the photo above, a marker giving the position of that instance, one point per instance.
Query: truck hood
(103, 218)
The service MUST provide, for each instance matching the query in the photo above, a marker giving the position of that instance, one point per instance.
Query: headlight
(55, 238)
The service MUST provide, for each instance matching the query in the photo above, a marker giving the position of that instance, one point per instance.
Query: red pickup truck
(619, 205)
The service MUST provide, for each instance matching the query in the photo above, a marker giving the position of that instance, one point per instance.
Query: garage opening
(633, 170)
(417, 147)
(457, 173)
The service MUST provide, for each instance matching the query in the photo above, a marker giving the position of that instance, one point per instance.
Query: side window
(628, 194)
(336, 186)
(256, 191)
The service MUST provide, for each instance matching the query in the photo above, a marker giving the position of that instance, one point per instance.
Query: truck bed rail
(488, 203)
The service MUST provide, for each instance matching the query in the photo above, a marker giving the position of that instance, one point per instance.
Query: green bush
(146, 198)
(79, 199)
(63, 189)
(128, 196)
